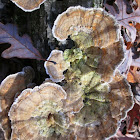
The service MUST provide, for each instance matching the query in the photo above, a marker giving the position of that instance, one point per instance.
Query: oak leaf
(133, 75)
(134, 113)
(138, 2)
(21, 47)
(124, 19)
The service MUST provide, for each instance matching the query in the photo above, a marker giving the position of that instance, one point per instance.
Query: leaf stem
(48, 61)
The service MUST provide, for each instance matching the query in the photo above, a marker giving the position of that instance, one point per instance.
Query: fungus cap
(120, 96)
(41, 108)
(28, 5)
(74, 101)
(102, 27)
(100, 120)
(55, 71)
(96, 34)
(9, 87)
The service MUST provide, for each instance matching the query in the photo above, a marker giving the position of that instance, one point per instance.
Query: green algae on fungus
(82, 73)
(95, 111)
(45, 107)
(54, 124)
(93, 60)
(71, 55)
(83, 40)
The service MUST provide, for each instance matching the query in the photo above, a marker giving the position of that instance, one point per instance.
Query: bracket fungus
(55, 71)
(9, 87)
(94, 96)
(99, 119)
(98, 97)
(94, 32)
(38, 113)
(28, 5)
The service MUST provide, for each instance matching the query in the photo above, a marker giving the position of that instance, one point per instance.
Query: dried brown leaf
(133, 75)
(134, 113)
(125, 18)
(138, 2)
(21, 47)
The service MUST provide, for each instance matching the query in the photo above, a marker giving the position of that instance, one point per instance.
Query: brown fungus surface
(9, 87)
(94, 96)
(99, 120)
(55, 70)
(96, 33)
(120, 96)
(96, 99)
(38, 114)
(28, 5)
(74, 100)
(93, 21)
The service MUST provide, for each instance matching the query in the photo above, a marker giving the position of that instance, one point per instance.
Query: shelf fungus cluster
(55, 70)
(43, 116)
(10, 88)
(98, 96)
(86, 97)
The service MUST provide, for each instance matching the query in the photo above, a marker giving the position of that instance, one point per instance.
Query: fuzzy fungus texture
(55, 71)
(95, 104)
(91, 21)
(38, 113)
(94, 31)
(9, 87)
(28, 5)
(93, 97)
